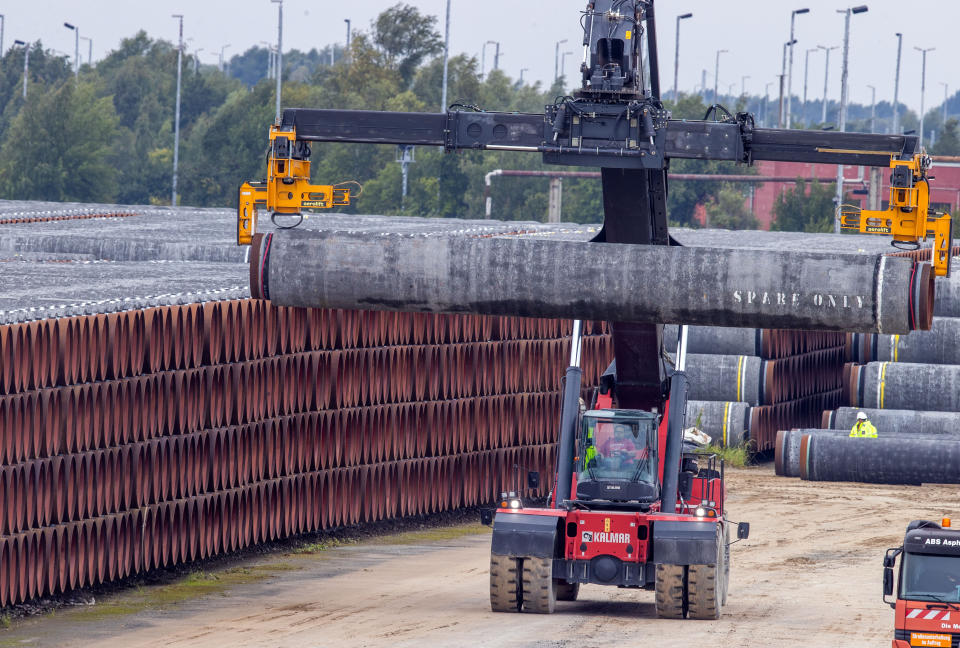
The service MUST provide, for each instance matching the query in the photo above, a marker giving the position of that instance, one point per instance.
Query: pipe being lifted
(533, 277)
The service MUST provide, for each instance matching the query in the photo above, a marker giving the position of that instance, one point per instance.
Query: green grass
(5, 621)
(738, 456)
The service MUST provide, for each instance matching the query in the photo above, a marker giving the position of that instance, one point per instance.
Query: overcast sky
(752, 30)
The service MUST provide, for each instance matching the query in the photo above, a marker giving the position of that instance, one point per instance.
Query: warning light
(945, 523)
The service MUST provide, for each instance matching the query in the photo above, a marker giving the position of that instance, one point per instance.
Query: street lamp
(873, 109)
(676, 58)
(826, 80)
(522, 70)
(2, 20)
(743, 85)
(923, 87)
(223, 49)
(896, 88)
(446, 62)
(89, 49)
(766, 103)
(806, 75)
(563, 64)
(76, 45)
(196, 60)
(781, 112)
(279, 4)
(26, 64)
(716, 74)
(347, 20)
(843, 101)
(483, 57)
(556, 59)
(176, 120)
(793, 16)
(269, 58)
(946, 97)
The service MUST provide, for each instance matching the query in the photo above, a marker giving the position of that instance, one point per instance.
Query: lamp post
(223, 49)
(522, 70)
(196, 60)
(496, 57)
(76, 48)
(873, 109)
(446, 62)
(896, 87)
(2, 21)
(483, 57)
(743, 85)
(556, 59)
(269, 48)
(279, 4)
(923, 88)
(676, 58)
(716, 74)
(176, 119)
(347, 54)
(793, 16)
(781, 114)
(563, 64)
(766, 103)
(806, 75)
(26, 64)
(946, 97)
(843, 101)
(89, 49)
(826, 80)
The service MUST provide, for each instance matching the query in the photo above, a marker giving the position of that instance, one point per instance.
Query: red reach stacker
(632, 507)
(928, 587)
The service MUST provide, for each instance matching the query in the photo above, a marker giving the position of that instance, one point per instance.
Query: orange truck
(927, 599)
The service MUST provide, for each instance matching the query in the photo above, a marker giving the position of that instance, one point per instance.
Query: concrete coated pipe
(533, 277)
(717, 340)
(947, 302)
(901, 459)
(895, 420)
(727, 423)
(787, 455)
(939, 345)
(726, 378)
(899, 385)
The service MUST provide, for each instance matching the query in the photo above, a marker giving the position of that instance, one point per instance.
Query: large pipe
(735, 378)
(718, 341)
(533, 277)
(939, 345)
(787, 449)
(906, 459)
(898, 385)
(947, 303)
(844, 418)
(727, 423)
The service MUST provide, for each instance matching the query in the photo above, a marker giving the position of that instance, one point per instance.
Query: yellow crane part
(908, 218)
(287, 189)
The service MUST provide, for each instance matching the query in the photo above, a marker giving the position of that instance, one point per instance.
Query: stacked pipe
(143, 439)
(909, 388)
(749, 383)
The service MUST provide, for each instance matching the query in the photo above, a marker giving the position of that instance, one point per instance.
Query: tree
(805, 208)
(728, 210)
(407, 37)
(948, 142)
(60, 147)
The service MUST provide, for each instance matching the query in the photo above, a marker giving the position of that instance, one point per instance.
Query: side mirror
(486, 517)
(743, 530)
(887, 581)
(533, 480)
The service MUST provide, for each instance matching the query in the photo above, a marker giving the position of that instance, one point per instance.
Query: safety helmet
(862, 416)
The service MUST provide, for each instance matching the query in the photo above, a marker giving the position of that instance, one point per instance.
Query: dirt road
(810, 574)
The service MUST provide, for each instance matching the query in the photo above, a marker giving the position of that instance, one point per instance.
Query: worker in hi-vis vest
(863, 427)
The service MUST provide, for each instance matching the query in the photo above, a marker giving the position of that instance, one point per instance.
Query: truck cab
(927, 599)
(617, 457)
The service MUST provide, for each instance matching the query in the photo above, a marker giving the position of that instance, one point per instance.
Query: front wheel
(506, 593)
(566, 591)
(539, 592)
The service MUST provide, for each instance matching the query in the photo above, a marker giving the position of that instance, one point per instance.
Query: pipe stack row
(147, 438)
(909, 387)
(745, 384)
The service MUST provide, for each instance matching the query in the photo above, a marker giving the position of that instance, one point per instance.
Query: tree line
(107, 136)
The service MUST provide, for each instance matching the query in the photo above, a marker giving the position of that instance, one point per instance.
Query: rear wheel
(539, 593)
(505, 583)
(671, 591)
(566, 591)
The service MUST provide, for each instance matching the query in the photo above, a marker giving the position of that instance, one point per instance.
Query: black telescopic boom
(652, 52)
(674, 449)
(569, 419)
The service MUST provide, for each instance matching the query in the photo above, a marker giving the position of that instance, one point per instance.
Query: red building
(944, 194)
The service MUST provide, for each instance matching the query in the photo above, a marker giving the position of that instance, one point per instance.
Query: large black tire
(705, 586)
(566, 591)
(539, 593)
(671, 591)
(506, 591)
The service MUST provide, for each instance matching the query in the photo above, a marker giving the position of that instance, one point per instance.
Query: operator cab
(617, 456)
